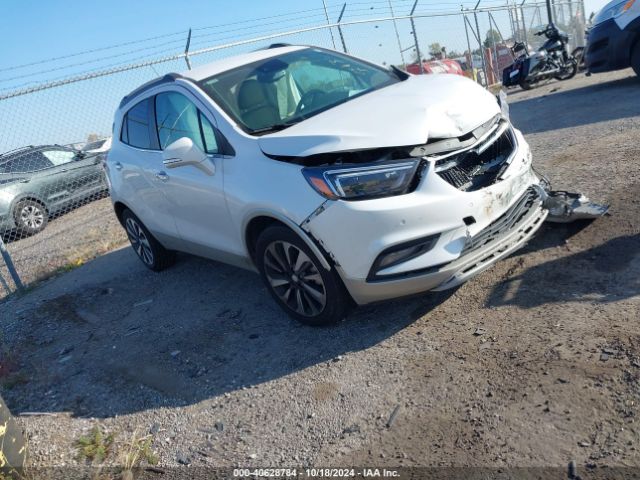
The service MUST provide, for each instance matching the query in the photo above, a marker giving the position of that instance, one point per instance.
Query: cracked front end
(475, 202)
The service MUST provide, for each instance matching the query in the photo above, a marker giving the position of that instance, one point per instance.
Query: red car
(436, 66)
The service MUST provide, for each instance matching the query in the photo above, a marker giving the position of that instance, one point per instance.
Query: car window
(209, 134)
(177, 117)
(59, 157)
(135, 126)
(26, 163)
(279, 91)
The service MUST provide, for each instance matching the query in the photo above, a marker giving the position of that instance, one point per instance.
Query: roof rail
(168, 78)
(16, 150)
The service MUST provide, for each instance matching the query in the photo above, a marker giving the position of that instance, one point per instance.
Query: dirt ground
(534, 363)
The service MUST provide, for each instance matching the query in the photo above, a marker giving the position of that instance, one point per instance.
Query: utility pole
(395, 26)
(326, 15)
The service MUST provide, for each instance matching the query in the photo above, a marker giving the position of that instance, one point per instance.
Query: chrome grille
(482, 164)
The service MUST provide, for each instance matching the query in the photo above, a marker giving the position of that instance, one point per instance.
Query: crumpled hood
(402, 114)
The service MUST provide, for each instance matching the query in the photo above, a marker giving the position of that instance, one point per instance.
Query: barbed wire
(334, 8)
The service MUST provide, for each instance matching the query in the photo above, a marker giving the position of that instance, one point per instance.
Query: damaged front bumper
(465, 230)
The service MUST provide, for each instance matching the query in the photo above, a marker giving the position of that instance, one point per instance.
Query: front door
(196, 198)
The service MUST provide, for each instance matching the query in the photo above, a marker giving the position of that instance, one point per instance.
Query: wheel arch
(259, 221)
(119, 207)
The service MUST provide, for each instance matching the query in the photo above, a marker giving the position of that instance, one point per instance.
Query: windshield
(277, 92)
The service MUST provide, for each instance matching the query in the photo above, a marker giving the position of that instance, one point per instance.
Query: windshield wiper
(276, 127)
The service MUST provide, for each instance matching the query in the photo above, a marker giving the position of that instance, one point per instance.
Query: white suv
(340, 181)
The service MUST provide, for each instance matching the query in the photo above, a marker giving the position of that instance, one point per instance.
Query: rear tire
(570, 72)
(297, 281)
(635, 59)
(147, 248)
(30, 217)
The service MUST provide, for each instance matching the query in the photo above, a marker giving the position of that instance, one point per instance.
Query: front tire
(297, 280)
(30, 217)
(147, 248)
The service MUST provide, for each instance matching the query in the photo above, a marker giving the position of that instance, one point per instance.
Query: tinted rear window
(135, 127)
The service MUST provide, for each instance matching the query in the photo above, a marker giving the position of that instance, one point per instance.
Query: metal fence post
(415, 36)
(513, 29)
(494, 63)
(344, 45)
(12, 269)
(326, 14)
(549, 12)
(524, 24)
(466, 32)
(395, 26)
(480, 46)
(186, 51)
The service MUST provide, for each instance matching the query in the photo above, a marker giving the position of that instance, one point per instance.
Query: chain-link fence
(56, 115)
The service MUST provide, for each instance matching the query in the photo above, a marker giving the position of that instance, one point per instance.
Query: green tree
(435, 50)
(493, 37)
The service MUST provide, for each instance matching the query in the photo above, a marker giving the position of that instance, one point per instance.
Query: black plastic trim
(427, 242)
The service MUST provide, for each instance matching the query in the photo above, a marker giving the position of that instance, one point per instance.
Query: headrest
(250, 95)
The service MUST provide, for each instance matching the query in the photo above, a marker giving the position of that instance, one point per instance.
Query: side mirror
(184, 152)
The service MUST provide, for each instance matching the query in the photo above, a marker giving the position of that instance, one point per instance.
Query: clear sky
(38, 32)
(39, 29)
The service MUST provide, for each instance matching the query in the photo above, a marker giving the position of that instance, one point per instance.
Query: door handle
(118, 166)
(163, 177)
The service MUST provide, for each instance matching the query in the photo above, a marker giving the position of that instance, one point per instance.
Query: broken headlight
(363, 182)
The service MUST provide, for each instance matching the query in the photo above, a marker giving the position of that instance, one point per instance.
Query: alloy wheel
(139, 241)
(32, 217)
(295, 278)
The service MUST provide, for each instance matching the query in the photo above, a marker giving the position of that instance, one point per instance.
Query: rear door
(131, 162)
(84, 172)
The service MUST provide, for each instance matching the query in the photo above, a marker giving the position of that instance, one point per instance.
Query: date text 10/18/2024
(316, 472)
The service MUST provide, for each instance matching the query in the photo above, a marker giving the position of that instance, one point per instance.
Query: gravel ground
(534, 363)
(68, 240)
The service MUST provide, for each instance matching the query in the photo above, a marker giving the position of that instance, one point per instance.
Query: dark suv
(38, 182)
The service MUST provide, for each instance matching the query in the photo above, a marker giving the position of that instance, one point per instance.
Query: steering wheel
(307, 99)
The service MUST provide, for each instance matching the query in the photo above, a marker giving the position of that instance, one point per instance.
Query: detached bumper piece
(565, 207)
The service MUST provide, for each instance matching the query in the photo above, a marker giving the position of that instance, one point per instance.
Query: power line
(85, 52)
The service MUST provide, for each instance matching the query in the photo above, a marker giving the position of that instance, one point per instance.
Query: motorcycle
(551, 60)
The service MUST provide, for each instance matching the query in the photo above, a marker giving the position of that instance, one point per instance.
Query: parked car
(41, 181)
(447, 65)
(613, 40)
(338, 180)
(99, 146)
